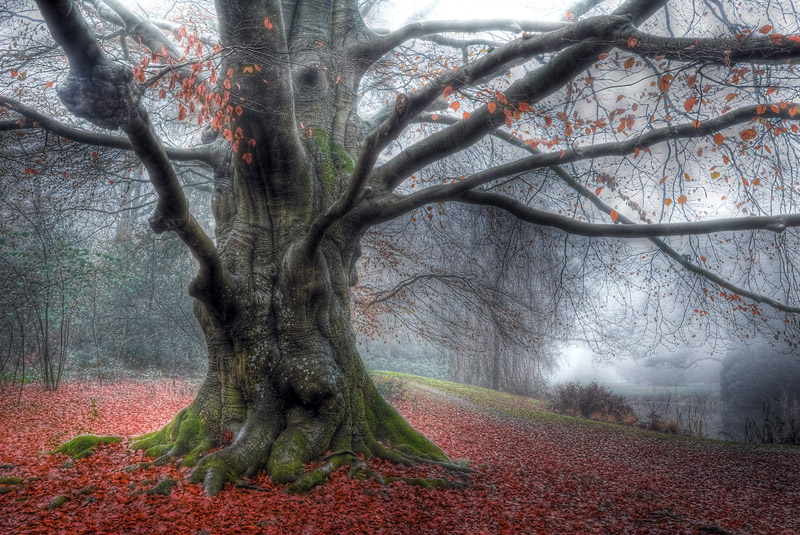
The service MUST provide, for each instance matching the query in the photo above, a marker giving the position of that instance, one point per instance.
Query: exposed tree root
(284, 446)
(187, 436)
(84, 445)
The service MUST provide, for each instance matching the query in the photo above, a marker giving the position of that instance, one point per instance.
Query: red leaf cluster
(536, 474)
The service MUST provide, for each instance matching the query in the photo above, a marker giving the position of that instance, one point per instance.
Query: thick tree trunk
(285, 385)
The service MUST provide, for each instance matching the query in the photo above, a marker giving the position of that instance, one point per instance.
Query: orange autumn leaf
(748, 134)
(690, 103)
(682, 200)
(268, 23)
(629, 63)
(455, 106)
(492, 107)
(667, 202)
(447, 91)
(719, 139)
(614, 215)
(664, 82)
(765, 29)
(795, 38)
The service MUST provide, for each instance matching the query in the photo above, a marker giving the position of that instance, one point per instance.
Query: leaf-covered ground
(536, 473)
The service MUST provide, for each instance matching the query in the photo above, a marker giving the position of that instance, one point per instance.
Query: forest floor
(536, 473)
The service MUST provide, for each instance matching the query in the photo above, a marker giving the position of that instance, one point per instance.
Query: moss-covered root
(163, 487)
(244, 457)
(409, 445)
(187, 436)
(315, 477)
(216, 469)
(83, 445)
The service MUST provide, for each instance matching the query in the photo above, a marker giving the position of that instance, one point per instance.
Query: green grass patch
(527, 409)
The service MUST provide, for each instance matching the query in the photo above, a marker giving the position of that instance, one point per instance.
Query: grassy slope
(533, 411)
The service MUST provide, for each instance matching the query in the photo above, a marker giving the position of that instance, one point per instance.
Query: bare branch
(384, 43)
(40, 120)
(661, 244)
(104, 92)
(725, 51)
(591, 36)
(773, 223)
(777, 223)
(149, 34)
(620, 148)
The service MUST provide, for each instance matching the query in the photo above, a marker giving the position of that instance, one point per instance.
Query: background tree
(299, 175)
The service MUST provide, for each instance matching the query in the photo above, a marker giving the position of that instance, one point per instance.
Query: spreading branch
(631, 145)
(387, 42)
(104, 93)
(677, 257)
(773, 223)
(36, 119)
(591, 36)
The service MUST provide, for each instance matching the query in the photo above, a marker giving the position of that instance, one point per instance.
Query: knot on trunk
(106, 96)
(401, 105)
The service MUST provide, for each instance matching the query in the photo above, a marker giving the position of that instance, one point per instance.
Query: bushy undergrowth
(390, 387)
(592, 401)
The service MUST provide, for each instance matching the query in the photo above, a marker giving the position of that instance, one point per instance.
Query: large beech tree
(302, 169)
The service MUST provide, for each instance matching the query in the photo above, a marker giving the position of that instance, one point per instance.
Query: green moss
(137, 466)
(214, 471)
(56, 502)
(163, 487)
(342, 158)
(88, 489)
(306, 482)
(10, 480)
(145, 442)
(158, 450)
(390, 426)
(336, 160)
(289, 451)
(287, 472)
(194, 456)
(186, 432)
(83, 445)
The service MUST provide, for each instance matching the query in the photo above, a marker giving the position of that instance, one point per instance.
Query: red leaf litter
(536, 475)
